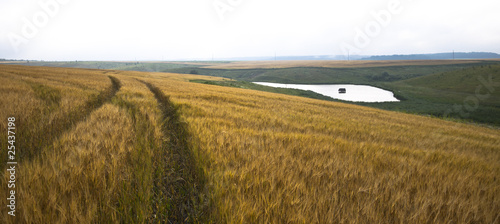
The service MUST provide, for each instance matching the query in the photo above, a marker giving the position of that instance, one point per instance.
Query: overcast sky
(202, 29)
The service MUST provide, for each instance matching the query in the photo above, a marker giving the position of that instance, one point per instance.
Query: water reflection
(354, 93)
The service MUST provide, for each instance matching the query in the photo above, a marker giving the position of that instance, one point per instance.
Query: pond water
(354, 93)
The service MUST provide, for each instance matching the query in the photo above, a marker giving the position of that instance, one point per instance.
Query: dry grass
(334, 64)
(162, 149)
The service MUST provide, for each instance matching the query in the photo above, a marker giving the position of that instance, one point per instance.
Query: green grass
(451, 94)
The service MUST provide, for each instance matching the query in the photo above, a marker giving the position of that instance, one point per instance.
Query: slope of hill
(312, 75)
(160, 149)
(469, 94)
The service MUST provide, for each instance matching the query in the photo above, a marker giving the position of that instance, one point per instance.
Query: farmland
(336, 64)
(429, 96)
(125, 146)
(438, 88)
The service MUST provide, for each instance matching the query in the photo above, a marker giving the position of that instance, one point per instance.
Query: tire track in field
(44, 136)
(179, 178)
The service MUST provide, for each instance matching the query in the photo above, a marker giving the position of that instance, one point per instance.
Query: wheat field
(114, 146)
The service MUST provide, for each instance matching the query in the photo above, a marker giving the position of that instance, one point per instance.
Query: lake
(354, 93)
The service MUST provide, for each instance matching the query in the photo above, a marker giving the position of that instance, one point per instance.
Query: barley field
(103, 146)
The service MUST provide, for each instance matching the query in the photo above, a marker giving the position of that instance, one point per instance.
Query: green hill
(468, 94)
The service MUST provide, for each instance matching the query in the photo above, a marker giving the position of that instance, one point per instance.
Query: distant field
(391, 75)
(135, 65)
(436, 90)
(106, 146)
(313, 75)
(150, 66)
(336, 64)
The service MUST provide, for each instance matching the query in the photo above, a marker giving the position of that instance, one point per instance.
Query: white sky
(194, 29)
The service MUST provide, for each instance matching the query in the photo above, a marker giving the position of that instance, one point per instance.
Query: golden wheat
(265, 158)
(278, 159)
(46, 100)
(100, 169)
(82, 174)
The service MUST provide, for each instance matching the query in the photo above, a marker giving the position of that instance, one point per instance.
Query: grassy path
(178, 179)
